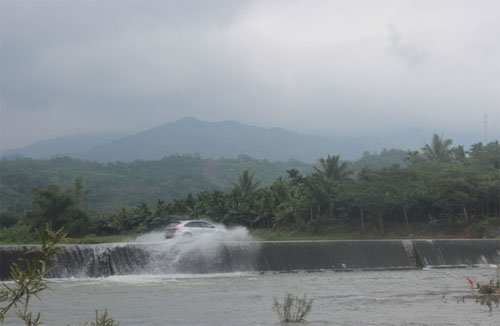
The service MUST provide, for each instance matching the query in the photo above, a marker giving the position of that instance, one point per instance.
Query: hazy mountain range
(217, 139)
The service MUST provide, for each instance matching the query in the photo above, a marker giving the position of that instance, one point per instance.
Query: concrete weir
(217, 257)
(335, 255)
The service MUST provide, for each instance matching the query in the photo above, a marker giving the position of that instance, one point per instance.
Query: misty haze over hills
(61, 146)
(221, 139)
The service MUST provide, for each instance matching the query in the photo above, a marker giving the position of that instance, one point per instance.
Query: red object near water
(470, 281)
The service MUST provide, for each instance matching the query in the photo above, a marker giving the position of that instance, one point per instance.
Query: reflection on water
(416, 297)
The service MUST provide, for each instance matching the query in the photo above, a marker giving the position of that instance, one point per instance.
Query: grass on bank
(348, 232)
(17, 235)
(25, 235)
(102, 239)
(283, 235)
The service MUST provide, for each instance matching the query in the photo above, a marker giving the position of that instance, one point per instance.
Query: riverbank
(22, 235)
(264, 235)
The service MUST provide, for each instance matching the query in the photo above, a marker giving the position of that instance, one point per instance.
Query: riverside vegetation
(487, 295)
(28, 278)
(438, 190)
(293, 308)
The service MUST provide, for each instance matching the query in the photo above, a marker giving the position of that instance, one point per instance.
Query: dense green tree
(458, 154)
(7, 218)
(487, 157)
(283, 201)
(414, 157)
(326, 183)
(121, 220)
(375, 195)
(141, 217)
(377, 161)
(59, 209)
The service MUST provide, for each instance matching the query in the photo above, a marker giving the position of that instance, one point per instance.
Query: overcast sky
(329, 67)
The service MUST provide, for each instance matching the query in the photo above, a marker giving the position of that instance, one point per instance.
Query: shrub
(29, 281)
(7, 219)
(486, 227)
(293, 309)
(18, 235)
(102, 320)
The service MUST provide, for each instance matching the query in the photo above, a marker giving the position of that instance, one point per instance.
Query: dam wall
(335, 255)
(445, 253)
(171, 257)
(101, 260)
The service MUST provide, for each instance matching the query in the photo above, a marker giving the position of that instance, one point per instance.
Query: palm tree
(331, 173)
(332, 169)
(414, 157)
(120, 220)
(246, 185)
(438, 150)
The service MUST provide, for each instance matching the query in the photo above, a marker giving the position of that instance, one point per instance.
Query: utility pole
(485, 128)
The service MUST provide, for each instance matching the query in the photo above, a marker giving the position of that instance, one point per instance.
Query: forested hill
(112, 185)
(118, 184)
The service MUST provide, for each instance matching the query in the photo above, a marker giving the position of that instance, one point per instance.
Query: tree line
(439, 184)
(118, 184)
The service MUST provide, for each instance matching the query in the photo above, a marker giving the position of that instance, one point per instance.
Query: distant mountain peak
(188, 119)
(227, 138)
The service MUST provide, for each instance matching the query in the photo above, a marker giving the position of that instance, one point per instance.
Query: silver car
(188, 228)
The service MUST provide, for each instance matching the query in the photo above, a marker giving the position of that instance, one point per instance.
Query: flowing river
(214, 280)
(411, 297)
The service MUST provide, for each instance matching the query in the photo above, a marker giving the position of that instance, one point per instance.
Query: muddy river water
(411, 297)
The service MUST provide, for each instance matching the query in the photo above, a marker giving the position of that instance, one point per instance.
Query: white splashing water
(222, 233)
(154, 236)
(206, 250)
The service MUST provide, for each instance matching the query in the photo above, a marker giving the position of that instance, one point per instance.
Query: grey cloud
(139, 64)
(410, 54)
(32, 32)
